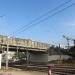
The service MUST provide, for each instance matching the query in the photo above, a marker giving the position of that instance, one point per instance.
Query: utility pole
(60, 53)
(17, 46)
(74, 42)
(67, 43)
(17, 51)
(67, 38)
(7, 53)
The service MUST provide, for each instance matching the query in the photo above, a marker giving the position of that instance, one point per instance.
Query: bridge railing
(23, 42)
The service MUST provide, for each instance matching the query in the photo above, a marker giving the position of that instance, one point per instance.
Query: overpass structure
(23, 43)
(36, 51)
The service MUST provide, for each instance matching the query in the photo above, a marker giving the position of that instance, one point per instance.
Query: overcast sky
(16, 15)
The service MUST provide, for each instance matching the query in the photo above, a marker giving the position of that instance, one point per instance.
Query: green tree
(20, 55)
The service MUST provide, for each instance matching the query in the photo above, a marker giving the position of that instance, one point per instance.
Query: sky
(16, 15)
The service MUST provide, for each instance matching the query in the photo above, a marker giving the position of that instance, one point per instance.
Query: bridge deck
(23, 44)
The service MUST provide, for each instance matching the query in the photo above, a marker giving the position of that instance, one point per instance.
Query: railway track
(63, 70)
(60, 70)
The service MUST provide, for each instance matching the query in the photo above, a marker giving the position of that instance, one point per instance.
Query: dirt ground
(22, 73)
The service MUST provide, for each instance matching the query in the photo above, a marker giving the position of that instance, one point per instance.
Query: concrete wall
(58, 57)
(39, 57)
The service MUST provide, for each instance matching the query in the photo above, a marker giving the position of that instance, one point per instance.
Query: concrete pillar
(38, 57)
(17, 52)
(27, 57)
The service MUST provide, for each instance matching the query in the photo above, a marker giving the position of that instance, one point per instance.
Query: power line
(47, 18)
(50, 11)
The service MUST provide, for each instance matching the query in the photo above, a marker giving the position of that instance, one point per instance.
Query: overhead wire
(25, 27)
(50, 11)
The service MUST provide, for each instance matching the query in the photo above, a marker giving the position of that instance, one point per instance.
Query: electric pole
(7, 53)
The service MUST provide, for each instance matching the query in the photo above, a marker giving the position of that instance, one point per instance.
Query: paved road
(22, 73)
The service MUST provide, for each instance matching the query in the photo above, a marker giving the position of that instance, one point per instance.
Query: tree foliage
(55, 50)
(20, 55)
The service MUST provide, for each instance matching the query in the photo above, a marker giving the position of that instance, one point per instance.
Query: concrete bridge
(36, 51)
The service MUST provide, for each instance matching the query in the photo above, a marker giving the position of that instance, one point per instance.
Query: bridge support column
(39, 57)
(17, 52)
(27, 57)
